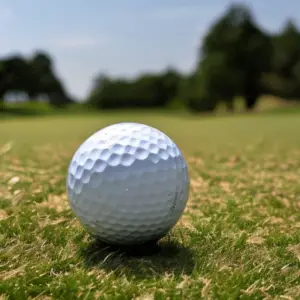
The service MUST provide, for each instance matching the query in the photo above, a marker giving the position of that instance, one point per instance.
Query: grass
(29, 109)
(239, 237)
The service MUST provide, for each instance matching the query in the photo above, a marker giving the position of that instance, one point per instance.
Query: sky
(120, 37)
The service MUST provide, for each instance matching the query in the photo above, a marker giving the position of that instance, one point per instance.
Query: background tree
(34, 77)
(234, 55)
(195, 95)
(14, 70)
(41, 70)
(283, 80)
(144, 91)
(47, 83)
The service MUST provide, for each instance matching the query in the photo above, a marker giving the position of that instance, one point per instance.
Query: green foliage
(198, 101)
(195, 95)
(284, 78)
(147, 90)
(33, 76)
(281, 86)
(235, 53)
(286, 50)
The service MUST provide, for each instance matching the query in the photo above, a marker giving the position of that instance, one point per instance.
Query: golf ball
(128, 184)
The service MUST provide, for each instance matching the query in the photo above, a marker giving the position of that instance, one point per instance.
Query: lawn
(239, 237)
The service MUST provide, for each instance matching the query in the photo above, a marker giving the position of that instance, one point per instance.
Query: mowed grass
(239, 237)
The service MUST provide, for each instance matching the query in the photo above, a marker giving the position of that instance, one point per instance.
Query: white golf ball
(128, 184)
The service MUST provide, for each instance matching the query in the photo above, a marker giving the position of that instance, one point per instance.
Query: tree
(146, 90)
(33, 76)
(3, 83)
(14, 70)
(253, 59)
(195, 95)
(99, 83)
(286, 50)
(284, 78)
(41, 67)
(220, 80)
(171, 81)
(43, 81)
(234, 55)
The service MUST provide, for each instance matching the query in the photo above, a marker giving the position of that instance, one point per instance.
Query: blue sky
(119, 37)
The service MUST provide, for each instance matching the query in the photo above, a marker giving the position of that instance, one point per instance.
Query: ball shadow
(150, 259)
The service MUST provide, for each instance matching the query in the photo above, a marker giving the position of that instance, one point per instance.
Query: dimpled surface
(128, 184)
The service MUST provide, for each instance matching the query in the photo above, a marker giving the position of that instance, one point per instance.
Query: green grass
(239, 237)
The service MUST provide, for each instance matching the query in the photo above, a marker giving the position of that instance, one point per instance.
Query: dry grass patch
(57, 202)
(3, 214)
(12, 273)
(295, 249)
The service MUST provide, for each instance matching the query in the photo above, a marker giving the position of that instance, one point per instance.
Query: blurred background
(215, 56)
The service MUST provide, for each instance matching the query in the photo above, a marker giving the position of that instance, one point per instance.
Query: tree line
(237, 58)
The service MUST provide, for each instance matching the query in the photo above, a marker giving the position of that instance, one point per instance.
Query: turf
(239, 237)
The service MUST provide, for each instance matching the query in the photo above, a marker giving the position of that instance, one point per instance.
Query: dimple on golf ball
(128, 184)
